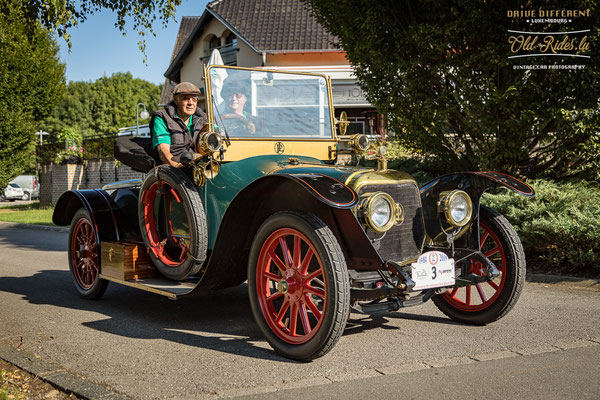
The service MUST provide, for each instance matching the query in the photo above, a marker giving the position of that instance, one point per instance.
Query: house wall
(57, 179)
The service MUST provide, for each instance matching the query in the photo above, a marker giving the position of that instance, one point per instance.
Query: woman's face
(236, 102)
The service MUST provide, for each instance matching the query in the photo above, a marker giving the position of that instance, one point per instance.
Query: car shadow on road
(359, 323)
(222, 321)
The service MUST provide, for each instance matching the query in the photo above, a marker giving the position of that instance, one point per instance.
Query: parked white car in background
(12, 192)
(30, 186)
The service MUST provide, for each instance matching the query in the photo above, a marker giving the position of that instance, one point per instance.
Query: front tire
(298, 285)
(492, 299)
(26, 196)
(84, 256)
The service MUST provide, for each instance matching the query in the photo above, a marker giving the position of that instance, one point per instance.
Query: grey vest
(180, 137)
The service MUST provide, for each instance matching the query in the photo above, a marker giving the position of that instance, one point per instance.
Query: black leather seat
(136, 152)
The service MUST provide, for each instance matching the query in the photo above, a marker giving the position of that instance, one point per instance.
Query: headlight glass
(458, 208)
(380, 212)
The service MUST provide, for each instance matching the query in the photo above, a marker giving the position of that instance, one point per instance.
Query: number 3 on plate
(433, 272)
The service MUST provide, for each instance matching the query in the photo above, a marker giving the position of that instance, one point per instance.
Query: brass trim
(209, 107)
(359, 179)
(371, 177)
(354, 142)
(367, 205)
(446, 199)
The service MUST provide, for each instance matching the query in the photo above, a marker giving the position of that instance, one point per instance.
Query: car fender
(475, 184)
(102, 208)
(322, 196)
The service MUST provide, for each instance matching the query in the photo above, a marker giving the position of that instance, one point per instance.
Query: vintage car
(264, 201)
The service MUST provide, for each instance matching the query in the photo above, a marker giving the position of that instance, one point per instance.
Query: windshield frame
(211, 116)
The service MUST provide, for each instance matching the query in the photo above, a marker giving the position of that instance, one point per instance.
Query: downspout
(264, 58)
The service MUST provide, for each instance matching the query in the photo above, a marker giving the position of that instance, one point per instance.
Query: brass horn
(205, 170)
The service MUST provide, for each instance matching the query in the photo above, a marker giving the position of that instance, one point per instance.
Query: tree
(103, 106)
(31, 84)
(64, 14)
(441, 71)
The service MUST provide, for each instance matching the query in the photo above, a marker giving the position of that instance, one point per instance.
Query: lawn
(27, 214)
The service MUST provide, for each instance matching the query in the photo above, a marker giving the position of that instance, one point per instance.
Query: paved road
(146, 346)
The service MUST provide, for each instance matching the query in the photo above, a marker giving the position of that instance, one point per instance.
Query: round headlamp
(380, 212)
(208, 143)
(457, 207)
(360, 142)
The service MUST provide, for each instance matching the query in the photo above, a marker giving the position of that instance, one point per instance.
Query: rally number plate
(433, 269)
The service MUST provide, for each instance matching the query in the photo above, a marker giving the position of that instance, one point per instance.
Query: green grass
(27, 214)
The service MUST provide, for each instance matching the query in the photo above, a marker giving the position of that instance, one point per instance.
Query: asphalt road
(146, 346)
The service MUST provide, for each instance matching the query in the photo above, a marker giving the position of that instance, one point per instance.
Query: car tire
(170, 253)
(306, 315)
(493, 299)
(84, 256)
(26, 196)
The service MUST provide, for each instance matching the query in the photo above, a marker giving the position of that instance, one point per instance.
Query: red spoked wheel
(84, 256)
(173, 223)
(485, 293)
(489, 301)
(298, 285)
(291, 286)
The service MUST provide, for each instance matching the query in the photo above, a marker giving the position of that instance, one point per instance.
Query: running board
(163, 286)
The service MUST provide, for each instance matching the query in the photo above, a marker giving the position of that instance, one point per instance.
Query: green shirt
(160, 133)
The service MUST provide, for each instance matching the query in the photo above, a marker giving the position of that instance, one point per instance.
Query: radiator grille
(402, 242)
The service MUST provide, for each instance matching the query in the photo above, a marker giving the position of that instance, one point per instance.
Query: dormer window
(214, 43)
(231, 40)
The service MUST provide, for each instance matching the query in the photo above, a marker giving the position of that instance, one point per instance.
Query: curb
(8, 225)
(56, 376)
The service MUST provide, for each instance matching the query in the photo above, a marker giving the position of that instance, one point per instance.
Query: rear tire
(298, 285)
(26, 196)
(84, 256)
(493, 299)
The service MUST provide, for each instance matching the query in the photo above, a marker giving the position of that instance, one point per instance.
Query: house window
(231, 40)
(214, 43)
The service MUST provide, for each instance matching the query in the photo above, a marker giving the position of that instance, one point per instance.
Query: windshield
(260, 104)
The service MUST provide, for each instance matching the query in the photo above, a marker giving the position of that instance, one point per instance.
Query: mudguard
(99, 204)
(327, 198)
(475, 184)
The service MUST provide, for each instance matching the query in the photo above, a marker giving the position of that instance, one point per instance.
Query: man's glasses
(188, 97)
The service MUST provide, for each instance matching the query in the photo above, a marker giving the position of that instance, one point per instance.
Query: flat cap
(186, 88)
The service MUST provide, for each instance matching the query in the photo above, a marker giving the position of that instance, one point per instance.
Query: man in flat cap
(175, 127)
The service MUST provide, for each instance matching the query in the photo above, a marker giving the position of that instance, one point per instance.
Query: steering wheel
(236, 125)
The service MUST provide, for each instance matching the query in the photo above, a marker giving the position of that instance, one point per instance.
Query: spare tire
(173, 222)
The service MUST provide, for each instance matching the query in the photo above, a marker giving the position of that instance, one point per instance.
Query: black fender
(99, 204)
(320, 195)
(475, 184)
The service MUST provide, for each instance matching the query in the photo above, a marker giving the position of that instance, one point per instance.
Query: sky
(99, 49)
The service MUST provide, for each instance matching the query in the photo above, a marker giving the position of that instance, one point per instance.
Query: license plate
(433, 269)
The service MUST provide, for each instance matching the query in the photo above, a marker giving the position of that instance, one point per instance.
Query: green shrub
(558, 227)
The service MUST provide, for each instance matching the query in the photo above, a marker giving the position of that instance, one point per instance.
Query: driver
(235, 119)
(175, 127)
